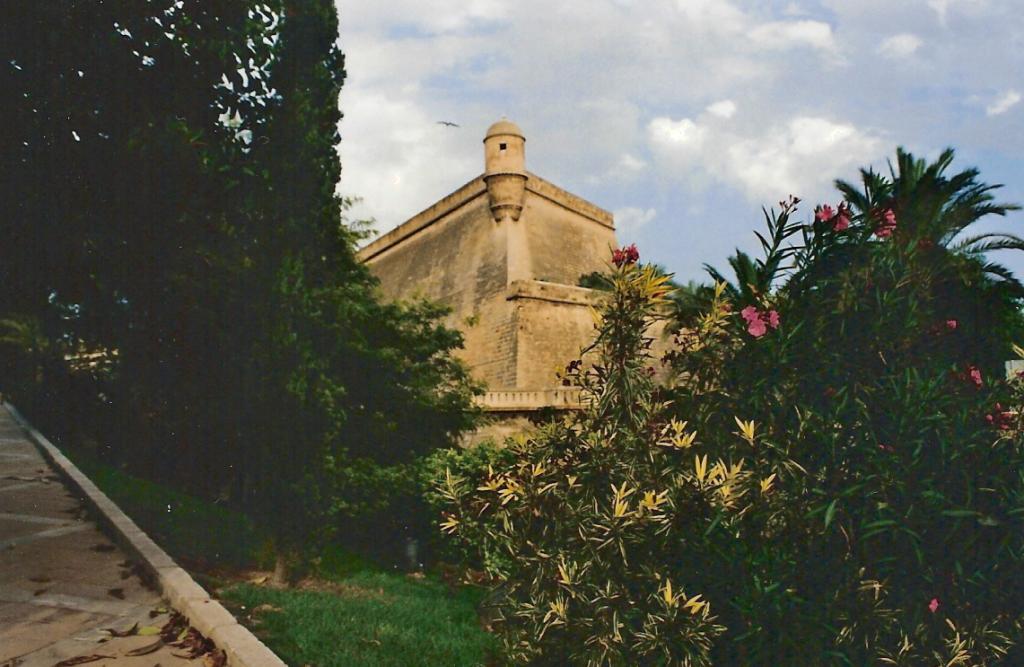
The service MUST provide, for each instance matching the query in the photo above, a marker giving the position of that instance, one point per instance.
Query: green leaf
(830, 513)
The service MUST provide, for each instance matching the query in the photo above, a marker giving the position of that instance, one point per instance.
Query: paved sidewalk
(62, 581)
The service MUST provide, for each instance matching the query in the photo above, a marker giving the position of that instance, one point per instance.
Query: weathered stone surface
(206, 615)
(178, 587)
(505, 252)
(243, 649)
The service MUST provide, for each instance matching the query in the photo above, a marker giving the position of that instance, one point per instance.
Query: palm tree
(936, 208)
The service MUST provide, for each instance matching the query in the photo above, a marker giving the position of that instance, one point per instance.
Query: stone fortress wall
(505, 252)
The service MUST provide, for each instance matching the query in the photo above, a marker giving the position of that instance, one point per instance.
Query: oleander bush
(832, 474)
(600, 516)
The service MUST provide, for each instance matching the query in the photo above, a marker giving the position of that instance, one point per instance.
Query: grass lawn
(374, 619)
(348, 614)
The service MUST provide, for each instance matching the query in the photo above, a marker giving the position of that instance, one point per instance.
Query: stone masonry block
(206, 615)
(177, 586)
(243, 649)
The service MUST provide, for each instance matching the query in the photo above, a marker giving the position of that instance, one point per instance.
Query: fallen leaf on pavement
(174, 629)
(148, 631)
(147, 649)
(194, 643)
(215, 659)
(82, 659)
(126, 633)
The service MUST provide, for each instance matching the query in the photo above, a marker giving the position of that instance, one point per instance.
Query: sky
(681, 117)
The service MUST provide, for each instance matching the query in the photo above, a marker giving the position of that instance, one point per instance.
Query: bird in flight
(447, 123)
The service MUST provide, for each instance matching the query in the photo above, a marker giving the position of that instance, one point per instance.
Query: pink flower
(842, 220)
(975, 375)
(627, 255)
(758, 321)
(1000, 418)
(886, 448)
(757, 327)
(951, 324)
(887, 226)
(933, 606)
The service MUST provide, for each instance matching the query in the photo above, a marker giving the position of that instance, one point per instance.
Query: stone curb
(205, 614)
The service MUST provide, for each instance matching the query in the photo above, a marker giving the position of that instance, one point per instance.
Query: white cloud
(682, 134)
(414, 160)
(1003, 103)
(632, 218)
(628, 168)
(715, 15)
(631, 163)
(800, 156)
(900, 46)
(722, 109)
(437, 16)
(793, 9)
(786, 34)
(942, 7)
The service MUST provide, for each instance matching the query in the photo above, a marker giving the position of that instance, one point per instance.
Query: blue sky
(682, 117)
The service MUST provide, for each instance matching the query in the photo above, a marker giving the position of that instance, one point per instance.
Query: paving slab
(63, 582)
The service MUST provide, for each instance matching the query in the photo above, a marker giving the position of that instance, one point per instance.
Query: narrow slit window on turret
(502, 147)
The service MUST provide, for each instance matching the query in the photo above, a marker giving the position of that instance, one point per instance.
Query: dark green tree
(173, 202)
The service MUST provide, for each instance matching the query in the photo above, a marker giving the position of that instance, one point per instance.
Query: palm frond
(1008, 278)
(982, 243)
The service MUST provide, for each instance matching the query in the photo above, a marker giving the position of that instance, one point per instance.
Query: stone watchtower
(505, 252)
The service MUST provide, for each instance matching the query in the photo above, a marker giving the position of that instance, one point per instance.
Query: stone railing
(522, 400)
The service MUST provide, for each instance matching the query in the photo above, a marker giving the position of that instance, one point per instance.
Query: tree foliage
(172, 203)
